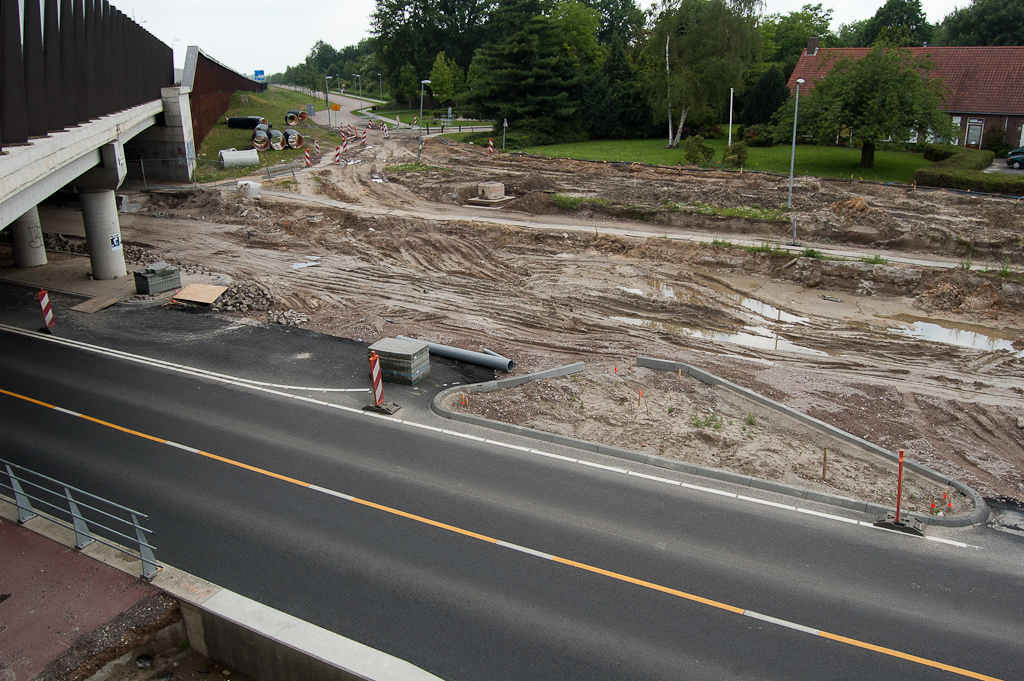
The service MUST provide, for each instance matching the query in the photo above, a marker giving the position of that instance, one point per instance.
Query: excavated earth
(403, 253)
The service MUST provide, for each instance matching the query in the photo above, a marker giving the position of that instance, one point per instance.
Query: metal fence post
(25, 512)
(149, 566)
(82, 536)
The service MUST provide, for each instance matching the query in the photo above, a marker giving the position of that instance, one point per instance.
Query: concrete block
(490, 190)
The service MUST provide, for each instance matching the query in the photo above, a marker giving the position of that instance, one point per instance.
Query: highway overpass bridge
(88, 98)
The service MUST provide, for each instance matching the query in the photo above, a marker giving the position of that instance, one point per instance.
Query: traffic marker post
(337, 154)
(385, 132)
(490, 146)
(44, 305)
(316, 145)
(364, 138)
(378, 389)
(308, 161)
(896, 522)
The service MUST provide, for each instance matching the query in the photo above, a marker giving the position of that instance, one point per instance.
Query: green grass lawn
(272, 105)
(890, 166)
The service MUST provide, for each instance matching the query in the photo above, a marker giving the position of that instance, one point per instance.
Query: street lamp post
(327, 98)
(380, 84)
(792, 157)
(419, 152)
(360, 77)
(730, 115)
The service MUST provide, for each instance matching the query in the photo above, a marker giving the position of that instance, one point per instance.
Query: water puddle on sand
(752, 336)
(964, 336)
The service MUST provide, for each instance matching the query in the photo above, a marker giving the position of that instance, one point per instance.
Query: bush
(698, 152)
(735, 155)
(758, 136)
(939, 152)
(993, 141)
(960, 171)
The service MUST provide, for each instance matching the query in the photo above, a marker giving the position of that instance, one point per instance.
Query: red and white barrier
(378, 387)
(364, 138)
(369, 124)
(44, 304)
(415, 120)
(337, 155)
(490, 146)
(385, 132)
(308, 162)
(344, 147)
(316, 145)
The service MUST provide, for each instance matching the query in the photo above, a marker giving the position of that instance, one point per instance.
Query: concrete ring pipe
(277, 140)
(295, 140)
(491, 361)
(246, 122)
(291, 118)
(261, 138)
(232, 158)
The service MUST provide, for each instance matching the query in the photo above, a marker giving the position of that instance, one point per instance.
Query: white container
(248, 190)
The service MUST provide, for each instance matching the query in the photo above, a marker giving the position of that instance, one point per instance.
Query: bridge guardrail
(80, 513)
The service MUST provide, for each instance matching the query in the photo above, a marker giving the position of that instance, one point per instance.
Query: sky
(270, 36)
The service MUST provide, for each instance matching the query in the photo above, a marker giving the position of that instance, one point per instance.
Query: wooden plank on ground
(95, 304)
(204, 294)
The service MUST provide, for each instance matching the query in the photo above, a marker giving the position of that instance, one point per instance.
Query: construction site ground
(366, 251)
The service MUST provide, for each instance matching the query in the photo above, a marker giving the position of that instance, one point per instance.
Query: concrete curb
(978, 516)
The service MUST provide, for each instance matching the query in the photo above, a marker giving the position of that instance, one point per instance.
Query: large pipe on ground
(299, 115)
(291, 118)
(246, 122)
(232, 158)
(261, 137)
(490, 360)
(294, 139)
(277, 140)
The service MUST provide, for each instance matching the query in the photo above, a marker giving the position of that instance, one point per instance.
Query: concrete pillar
(28, 240)
(103, 233)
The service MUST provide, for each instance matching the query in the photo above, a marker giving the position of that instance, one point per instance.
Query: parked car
(1015, 159)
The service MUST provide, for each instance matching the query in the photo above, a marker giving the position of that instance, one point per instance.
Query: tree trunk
(668, 87)
(867, 155)
(679, 130)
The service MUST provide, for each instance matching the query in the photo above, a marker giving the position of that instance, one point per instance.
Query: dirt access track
(383, 252)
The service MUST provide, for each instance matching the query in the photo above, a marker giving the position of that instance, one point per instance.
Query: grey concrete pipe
(490, 360)
(295, 140)
(246, 122)
(232, 158)
(261, 138)
(277, 140)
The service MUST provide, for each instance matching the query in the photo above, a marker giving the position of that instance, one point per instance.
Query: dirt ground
(405, 254)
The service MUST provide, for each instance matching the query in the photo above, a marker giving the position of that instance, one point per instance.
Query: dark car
(1015, 159)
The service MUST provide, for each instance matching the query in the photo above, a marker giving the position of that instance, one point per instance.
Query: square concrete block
(490, 190)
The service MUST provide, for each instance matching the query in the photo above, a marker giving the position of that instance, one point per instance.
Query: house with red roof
(985, 84)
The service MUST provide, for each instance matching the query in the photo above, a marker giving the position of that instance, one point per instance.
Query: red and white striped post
(385, 132)
(415, 119)
(316, 145)
(490, 146)
(364, 138)
(308, 162)
(337, 154)
(44, 304)
(344, 147)
(378, 388)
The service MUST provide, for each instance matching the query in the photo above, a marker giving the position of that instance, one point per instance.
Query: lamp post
(792, 157)
(419, 152)
(359, 76)
(327, 89)
(730, 115)
(380, 84)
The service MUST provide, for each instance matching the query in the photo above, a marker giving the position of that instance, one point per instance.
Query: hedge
(960, 170)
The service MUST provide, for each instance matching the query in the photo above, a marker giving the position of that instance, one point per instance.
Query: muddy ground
(405, 254)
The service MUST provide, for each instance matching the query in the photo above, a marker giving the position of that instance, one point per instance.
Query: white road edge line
(187, 449)
(66, 411)
(613, 469)
(532, 552)
(765, 502)
(317, 488)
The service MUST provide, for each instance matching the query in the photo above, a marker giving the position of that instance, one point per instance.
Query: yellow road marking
(565, 561)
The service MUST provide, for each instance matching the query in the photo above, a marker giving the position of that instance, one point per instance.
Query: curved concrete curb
(979, 515)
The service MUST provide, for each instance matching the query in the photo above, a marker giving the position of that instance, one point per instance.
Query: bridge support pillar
(28, 240)
(103, 233)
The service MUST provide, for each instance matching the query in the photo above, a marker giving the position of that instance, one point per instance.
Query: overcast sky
(260, 34)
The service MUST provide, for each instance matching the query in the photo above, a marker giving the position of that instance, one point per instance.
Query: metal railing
(82, 513)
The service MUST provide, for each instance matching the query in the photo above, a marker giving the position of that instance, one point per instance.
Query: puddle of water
(662, 288)
(768, 312)
(752, 336)
(974, 337)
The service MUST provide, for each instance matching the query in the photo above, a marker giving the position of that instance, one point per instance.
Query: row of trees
(572, 69)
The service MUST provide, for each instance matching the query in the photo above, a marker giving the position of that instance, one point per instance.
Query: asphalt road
(649, 580)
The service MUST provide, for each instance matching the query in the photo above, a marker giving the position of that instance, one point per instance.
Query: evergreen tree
(985, 22)
(765, 97)
(526, 77)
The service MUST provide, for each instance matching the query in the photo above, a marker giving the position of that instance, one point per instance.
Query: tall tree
(617, 17)
(899, 13)
(707, 44)
(785, 37)
(985, 22)
(447, 80)
(765, 97)
(886, 95)
(526, 78)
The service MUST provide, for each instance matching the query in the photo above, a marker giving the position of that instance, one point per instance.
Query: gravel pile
(245, 297)
(289, 318)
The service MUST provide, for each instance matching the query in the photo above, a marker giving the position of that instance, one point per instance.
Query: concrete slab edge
(978, 516)
(240, 633)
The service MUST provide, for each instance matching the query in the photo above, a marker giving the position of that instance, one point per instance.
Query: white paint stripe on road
(708, 490)
(187, 449)
(613, 469)
(507, 445)
(553, 456)
(952, 543)
(765, 502)
(66, 411)
(517, 547)
(840, 518)
(782, 623)
(318, 488)
(655, 478)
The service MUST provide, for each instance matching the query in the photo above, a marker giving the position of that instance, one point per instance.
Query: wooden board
(95, 304)
(204, 294)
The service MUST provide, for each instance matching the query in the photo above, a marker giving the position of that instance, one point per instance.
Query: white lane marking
(782, 623)
(532, 552)
(613, 469)
(187, 449)
(765, 502)
(66, 411)
(655, 478)
(269, 388)
(317, 488)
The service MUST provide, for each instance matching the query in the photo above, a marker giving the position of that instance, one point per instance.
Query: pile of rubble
(288, 318)
(58, 243)
(245, 297)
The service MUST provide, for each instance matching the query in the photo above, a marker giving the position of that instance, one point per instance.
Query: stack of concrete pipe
(264, 136)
